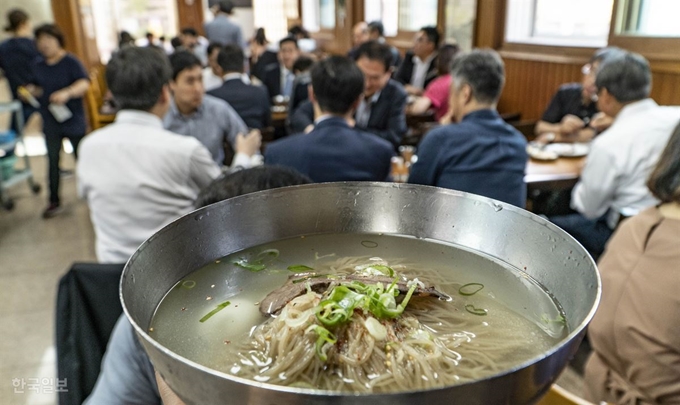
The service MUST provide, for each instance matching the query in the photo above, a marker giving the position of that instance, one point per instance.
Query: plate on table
(569, 149)
(539, 152)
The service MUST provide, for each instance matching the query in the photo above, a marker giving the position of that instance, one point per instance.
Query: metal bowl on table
(506, 233)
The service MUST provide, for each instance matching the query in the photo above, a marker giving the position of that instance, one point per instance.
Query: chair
(88, 307)
(559, 396)
(95, 99)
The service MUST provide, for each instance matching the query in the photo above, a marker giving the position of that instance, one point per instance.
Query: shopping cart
(11, 176)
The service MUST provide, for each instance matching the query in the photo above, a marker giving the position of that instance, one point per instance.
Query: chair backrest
(88, 307)
(559, 396)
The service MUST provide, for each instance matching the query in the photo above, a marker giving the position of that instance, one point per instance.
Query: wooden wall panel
(530, 84)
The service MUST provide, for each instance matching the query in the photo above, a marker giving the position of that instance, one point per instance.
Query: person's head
(298, 32)
(477, 81)
(445, 56)
(221, 6)
(138, 79)
(426, 42)
(664, 182)
(187, 80)
(589, 71)
(302, 64)
(622, 78)
(125, 39)
(149, 36)
(375, 62)
(17, 21)
(213, 51)
(288, 52)
(260, 38)
(359, 33)
(49, 40)
(176, 43)
(337, 84)
(230, 59)
(189, 37)
(376, 30)
(249, 181)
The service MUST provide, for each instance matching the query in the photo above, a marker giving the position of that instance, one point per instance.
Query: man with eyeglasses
(572, 115)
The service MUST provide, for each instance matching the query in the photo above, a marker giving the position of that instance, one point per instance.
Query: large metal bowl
(505, 232)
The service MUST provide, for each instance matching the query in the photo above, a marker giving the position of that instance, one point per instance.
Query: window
(653, 18)
(317, 14)
(415, 14)
(327, 13)
(562, 23)
(273, 15)
(460, 22)
(386, 11)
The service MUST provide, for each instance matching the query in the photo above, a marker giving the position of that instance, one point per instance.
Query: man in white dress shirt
(136, 176)
(613, 181)
(419, 66)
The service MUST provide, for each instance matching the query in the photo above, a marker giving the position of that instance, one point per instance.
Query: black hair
(249, 181)
(149, 34)
(231, 58)
(176, 42)
(432, 34)
(125, 39)
(664, 183)
(51, 30)
(288, 39)
(189, 31)
(625, 75)
(183, 60)
(15, 19)
(296, 30)
(136, 77)
(260, 38)
(377, 26)
(225, 6)
(302, 64)
(212, 46)
(374, 50)
(445, 56)
(337, 83)
(483, 71)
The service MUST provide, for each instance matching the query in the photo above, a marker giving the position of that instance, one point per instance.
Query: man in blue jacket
(481, 154)
(334, 151)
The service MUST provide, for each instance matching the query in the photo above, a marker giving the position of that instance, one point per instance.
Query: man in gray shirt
(222, 30)
(210, 120)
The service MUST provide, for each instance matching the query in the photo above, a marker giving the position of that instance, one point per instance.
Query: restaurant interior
(543, 45)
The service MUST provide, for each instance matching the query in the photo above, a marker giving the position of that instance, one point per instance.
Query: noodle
(433, 343)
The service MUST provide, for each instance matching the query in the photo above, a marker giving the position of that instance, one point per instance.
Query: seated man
(572, 115)
(212, 78)
(250, 102)
(382, 108)
(419, 66)
(481, 154)
(334, 151)
(376, 32)
(279, 78)
(359, 37)
(612, 184)
(208, 119)
(127, 375)
(136, 176)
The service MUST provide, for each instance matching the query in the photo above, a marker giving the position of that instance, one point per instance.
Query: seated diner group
(175, 147)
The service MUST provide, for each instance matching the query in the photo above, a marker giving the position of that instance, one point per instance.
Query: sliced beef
(297, 285)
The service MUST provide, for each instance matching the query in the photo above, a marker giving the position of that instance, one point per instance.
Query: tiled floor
(34, 254)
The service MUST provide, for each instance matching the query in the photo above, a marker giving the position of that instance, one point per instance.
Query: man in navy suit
(481, 154)
(250, 102)
(381, 110)
(279, 78)
(333, 150)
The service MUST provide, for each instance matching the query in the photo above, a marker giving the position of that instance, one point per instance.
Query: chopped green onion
(369, 244)
(255, 266)
(268, 254)
(189, 284)
(559, 319)
(299, 268)
(214, 311)
(475, 311)
(470, 289)
(325, 336)
(386, 270)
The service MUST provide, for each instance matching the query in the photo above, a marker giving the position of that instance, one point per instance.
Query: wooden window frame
(661, 52)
